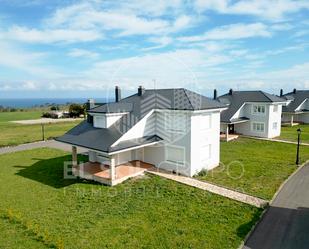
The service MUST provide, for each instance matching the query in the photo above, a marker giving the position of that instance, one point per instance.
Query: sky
(67, 48)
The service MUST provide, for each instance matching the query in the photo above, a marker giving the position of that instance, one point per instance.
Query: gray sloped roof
(296, 98)
(135, 107)
(238, 98)
(85, 135)
(176, 99)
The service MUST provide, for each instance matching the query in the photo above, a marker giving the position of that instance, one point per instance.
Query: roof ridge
(185, 91)
(265, 94)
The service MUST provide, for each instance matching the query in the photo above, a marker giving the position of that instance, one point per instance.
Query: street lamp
(298, 142)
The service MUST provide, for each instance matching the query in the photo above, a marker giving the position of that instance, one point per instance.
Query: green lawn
(13, 134)
(14, 116)
(290, 133)
(40, 209)
(255, 167)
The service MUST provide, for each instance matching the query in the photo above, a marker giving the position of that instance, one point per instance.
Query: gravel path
(41, 144)
(248, 199)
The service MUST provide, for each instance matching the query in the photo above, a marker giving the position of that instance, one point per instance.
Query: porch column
(292, 120)
(227, 133)
(74, 156)
(112, 171)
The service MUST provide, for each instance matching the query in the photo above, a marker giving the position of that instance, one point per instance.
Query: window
(206, 122)
(275, 108)
(175, 154)
(175, 122)
(99, 121)
(205, 153)
(275, 126)
(258, 109)
(258, 127)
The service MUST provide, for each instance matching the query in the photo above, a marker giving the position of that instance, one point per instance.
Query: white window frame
(276, 108)
(209, 151)
(173, 161)
(275, 125)
(258, 123)
(170, 124)
(255, 109)
(95, 122)
(203, 126)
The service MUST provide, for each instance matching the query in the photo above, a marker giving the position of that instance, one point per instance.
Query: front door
(231, 129)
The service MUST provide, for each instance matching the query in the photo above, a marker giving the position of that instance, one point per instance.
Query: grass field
(13, 134)
(40, 209)
(255, 167)
(290, 133)
(14, 116)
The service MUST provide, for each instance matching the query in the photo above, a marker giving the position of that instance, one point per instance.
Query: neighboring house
(297, 108)
(251, 113)
(172, 129)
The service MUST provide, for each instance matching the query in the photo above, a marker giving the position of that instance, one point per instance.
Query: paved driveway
(286, 223)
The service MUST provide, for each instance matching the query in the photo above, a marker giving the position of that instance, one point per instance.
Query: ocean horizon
(36, 102)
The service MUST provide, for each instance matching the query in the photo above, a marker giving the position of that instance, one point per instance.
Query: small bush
(203, 172)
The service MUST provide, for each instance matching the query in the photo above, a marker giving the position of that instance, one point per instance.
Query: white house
(297, 108)
(251, 113)
(171, 129)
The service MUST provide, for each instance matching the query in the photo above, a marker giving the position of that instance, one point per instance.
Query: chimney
(294, 90)
(141, 91)
(231, 92)
(90, 104)
(215, 94)
(281, 92)
(117, 94)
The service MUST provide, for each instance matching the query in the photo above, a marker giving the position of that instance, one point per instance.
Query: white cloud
(77, 52)
(282, 26)
(50, 35)
(162, 41)
(26, 61)
(232, 32)
(266, 9)
(123, 21)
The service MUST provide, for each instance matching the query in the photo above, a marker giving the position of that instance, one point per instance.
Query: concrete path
(274, 140)
(46, 120)
(50, 143)
(285, 224)
(211, 188)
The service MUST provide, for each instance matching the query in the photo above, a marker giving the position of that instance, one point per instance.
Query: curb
(274, 140)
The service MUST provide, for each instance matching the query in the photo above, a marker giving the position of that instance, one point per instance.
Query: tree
(54, 108)
(76, 110)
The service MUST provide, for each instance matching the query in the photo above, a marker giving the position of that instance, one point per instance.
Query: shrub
(76, 110)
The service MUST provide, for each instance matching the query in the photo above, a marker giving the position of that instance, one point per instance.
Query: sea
(37, 102)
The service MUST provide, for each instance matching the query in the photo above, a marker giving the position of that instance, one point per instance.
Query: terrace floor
(101, 172)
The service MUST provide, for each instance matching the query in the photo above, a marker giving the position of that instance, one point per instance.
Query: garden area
(41, 209)
(255, 167)
(290, 133)
(14, 134)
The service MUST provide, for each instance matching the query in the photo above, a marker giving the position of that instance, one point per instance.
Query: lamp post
(298, 142)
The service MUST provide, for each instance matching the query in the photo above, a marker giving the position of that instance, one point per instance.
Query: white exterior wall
(105, 120)
(304, 118)
(157, 154)
(194, 138)
(268, 118)
(204, 142)
(274, 117)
